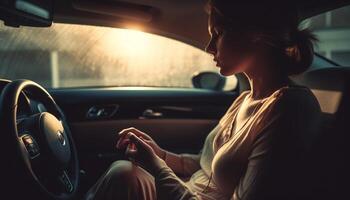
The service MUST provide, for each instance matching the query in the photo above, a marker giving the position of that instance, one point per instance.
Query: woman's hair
(273, 24)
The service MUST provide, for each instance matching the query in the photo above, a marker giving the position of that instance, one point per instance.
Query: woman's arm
(170, 187)
(183, 164)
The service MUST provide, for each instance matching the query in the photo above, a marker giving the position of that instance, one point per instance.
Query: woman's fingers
(138, 146)
(143, 154)
(139, 143)
(148, 141)
(122, 143)
(137, 132)
(125, 131)
(122, 139)
(123, 136)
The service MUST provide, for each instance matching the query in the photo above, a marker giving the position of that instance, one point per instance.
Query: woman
(259, 148)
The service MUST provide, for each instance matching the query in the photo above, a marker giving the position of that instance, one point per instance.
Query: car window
(333, 31)
(67, 55)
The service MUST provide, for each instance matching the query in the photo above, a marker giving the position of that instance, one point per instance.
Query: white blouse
(250, 159)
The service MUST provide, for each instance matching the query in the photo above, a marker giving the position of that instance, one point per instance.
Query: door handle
(149, 113)
(99, 112)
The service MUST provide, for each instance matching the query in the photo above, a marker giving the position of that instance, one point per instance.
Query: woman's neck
(264, 84)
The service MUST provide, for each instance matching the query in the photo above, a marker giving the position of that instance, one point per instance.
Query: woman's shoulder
(295, 94)
(295, 98)
(295, 105)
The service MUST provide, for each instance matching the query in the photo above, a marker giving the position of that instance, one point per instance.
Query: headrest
(327, 84)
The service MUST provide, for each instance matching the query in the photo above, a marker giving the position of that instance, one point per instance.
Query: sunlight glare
(130, 43)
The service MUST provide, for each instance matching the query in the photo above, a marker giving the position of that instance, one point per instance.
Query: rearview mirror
(38, 13)
(209, 80)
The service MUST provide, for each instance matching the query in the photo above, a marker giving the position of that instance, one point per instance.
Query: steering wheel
(44, 149)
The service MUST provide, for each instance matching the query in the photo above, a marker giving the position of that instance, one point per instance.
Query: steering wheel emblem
(61, 138)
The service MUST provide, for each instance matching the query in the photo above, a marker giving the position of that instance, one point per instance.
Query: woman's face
(232, 50)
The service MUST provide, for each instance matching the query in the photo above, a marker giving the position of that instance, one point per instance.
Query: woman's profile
(259, 147)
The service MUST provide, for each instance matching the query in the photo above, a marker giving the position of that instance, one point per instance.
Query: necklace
(245, 123)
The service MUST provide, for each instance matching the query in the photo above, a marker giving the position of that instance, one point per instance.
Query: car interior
(57, 142)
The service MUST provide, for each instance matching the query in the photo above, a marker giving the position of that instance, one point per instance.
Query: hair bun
(300, 51)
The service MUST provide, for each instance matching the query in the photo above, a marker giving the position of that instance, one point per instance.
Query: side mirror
(209, 80)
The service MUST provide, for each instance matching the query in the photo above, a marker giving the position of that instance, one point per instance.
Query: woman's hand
(140, 152)
(123, 140)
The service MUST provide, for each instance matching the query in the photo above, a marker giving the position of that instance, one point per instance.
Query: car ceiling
(183, 20)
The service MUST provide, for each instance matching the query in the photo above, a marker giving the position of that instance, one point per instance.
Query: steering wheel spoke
(65, 182)
(23, 125)
(31, 146)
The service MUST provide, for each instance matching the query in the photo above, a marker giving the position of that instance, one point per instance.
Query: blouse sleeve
(276, 166)
(183, 164)
(170, 187)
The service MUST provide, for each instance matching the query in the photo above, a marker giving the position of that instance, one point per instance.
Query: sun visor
(124, 10)
(37, 13)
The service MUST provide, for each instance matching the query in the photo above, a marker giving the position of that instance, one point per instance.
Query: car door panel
(177, 119)
(178, 135)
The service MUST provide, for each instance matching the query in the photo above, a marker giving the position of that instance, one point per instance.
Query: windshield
(67, 55)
